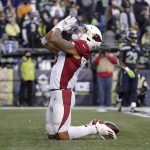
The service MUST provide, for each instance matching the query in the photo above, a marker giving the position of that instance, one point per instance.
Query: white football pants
(58, 115)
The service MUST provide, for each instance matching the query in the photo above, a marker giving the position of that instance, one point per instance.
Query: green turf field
(24, 130)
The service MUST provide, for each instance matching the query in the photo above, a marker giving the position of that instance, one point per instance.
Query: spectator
(30, 32)
(1, 6)
(2, 23)
(9, 10)
(74, 9)
(57, 10)
(87, 10)
(23, 9)
(110, 34)
(95, 21)
(4, 2)
(9, 45)
(33, 5)
(138, 8)
(105, 67)
(54, 21)
(16, 3)
(100, 10)
(146, 37)
(0, 54)
(142, 15)
(27, 77)
(113, 11)
(2, 46)
(127, 18)
(145, 21)
(80, 20)
(42, 29)
(45, 12)
(12, 28)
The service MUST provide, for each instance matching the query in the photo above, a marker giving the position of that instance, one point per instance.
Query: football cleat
(133, 110)
(104, 131)
(107, 123)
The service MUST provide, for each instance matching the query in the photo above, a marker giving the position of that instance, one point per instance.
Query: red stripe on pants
(66, 94)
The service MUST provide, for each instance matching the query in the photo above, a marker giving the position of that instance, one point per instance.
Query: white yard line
(22, 108)
(145, 115)
(37, 108)
(146, 109)
(143, 111)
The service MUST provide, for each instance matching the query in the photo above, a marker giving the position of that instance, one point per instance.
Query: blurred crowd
(24, 22)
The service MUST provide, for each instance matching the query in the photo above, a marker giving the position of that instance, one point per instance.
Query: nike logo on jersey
(84, 46)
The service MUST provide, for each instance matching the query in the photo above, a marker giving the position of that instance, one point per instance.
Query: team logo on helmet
(89, 33)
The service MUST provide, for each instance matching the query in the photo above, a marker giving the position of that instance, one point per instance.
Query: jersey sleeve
(96, 59)
(82, 48)
(112, 58)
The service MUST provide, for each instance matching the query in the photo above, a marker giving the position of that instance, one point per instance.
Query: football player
(72, 57)
(129, 61)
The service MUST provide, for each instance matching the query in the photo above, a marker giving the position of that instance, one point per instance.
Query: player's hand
(66, 24)
(130, 73)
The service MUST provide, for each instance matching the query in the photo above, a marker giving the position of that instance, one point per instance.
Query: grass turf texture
(24, 130)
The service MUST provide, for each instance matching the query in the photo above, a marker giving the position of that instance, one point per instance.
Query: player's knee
(63, 136)
(52, 128)
(49, 129)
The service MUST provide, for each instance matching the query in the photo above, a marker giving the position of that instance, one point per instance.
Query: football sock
(81, 131)
(133, 104)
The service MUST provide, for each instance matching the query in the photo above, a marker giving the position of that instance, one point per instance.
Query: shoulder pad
(82, 48)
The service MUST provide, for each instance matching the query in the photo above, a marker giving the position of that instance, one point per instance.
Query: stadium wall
(85, 88)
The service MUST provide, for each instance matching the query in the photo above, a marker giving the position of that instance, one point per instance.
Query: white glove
(66, 23)
(69, 22)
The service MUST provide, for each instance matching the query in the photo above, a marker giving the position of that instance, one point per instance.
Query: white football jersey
(65, 72)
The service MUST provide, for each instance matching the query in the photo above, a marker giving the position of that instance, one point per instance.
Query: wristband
(126, 68)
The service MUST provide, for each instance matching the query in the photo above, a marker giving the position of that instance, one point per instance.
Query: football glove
(130, 73)
(66, 24)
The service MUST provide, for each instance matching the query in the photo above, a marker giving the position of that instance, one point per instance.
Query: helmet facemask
(132, 38)
(90, 34)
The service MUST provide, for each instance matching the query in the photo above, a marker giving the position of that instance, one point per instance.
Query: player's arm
(137, 66)
(120, 62)
(46, 42)
(140, 54)
(58, 41)
(111, 58)
(53, 39)
(130, 73)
